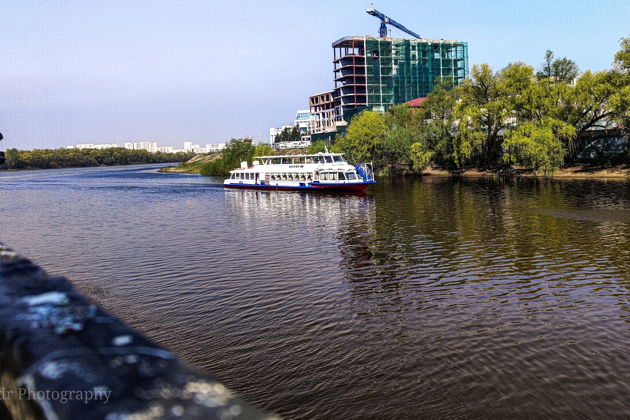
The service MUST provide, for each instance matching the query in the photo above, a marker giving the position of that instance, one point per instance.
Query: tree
(595, 99)
(289, 134)
(421, 155)
(622, 57)
(561, 69)
(547, 66)
(236, 151)
(439, 139)
(264, 149)
(365, 139)
(565, 70)
(319, 146)
(403, 128)
(482, 113)
(537, 145)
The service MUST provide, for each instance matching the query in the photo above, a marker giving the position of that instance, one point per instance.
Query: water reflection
(422, 298)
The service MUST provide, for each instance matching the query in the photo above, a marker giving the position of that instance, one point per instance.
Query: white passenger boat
(321, 171)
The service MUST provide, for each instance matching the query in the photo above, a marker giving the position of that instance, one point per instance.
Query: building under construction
(377, 72)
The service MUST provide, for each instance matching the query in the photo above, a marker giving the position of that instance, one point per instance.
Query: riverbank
(193, 166)
(573, 172)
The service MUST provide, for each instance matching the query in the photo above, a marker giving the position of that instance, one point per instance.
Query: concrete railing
(63, 357)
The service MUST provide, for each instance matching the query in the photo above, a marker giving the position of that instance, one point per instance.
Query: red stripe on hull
(312, 187)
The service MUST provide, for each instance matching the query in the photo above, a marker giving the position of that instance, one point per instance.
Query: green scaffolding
(399, 70)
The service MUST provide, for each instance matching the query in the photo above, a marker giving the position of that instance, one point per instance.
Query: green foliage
(561, 69)
(72, 158)
(403, 129)
(288, 134)
(622, 57)
(537, 145)
(236, 151)
(264, 149)
(365, 139)
(420, 156)
(482, 112)
(319, 146)
(451, 146)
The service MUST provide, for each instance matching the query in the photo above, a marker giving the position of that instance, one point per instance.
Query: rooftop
(376, 38)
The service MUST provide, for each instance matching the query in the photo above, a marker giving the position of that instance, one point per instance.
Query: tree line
(72, 158)
(235, 152)
(497, 119)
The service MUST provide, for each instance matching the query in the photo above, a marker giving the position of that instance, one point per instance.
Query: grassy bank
(193, 165)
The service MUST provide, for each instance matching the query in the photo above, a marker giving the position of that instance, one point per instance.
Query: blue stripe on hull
(310, 187)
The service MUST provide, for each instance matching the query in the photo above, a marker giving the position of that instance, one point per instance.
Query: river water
(425, 298)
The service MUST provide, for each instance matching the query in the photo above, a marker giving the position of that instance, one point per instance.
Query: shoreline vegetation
(585, 171)
(515, 122)
(82, 158)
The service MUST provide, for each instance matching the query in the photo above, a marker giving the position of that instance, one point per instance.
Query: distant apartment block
(149, 146)
(302, 120)
(92, 146)
(214, 147)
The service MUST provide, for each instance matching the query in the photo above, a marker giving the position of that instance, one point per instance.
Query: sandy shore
(575, 172)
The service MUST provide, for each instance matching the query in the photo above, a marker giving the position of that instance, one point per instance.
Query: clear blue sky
(205, 71)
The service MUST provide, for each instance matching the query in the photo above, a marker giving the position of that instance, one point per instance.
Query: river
(427, 298)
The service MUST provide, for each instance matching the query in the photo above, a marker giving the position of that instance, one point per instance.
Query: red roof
(416, 102)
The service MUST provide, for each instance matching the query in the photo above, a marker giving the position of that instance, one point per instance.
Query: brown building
(322, 109)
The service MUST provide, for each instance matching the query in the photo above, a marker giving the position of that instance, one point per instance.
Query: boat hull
(310, 187)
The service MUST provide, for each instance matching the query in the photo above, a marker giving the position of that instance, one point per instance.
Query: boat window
(329, 159)
(351, 175)
(286, 160)
(338, 159)
(308, 159)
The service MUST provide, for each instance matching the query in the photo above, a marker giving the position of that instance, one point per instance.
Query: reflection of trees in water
(490, 232)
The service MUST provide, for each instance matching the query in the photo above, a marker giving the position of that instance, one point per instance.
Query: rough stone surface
(55, 342)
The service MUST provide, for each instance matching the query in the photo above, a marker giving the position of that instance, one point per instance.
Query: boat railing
(365, 170)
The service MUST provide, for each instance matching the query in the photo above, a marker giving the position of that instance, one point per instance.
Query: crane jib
(389, 21)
